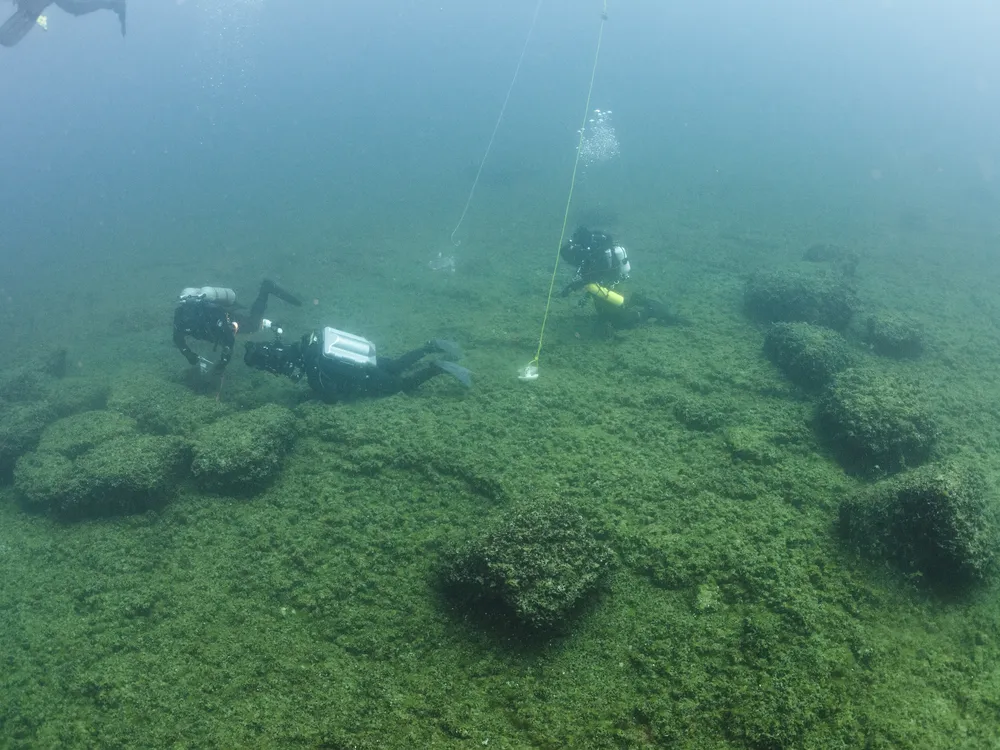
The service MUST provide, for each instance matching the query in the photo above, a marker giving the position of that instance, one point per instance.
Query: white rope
(482, 162)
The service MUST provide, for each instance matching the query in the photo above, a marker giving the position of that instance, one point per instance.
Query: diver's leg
(651, 309)
(253, 318)
(256, 315)
(399, 364)
(82, 7)
(414, 380)
(411, 382)
(280, 293)
(383, 382)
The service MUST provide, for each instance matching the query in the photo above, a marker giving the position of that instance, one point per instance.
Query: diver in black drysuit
(340, 366)
(600, 266)
(27, 13)
(210, 314)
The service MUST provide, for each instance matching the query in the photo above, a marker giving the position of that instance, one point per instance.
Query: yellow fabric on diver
(603, 295)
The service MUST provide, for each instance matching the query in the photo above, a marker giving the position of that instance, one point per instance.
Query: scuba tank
(605, 295)
(220, 295)
(616, 258)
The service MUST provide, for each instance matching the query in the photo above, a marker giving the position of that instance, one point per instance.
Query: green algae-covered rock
(45, 480)
(161, 406)
(75, 435)
(21, 426)
(44, 380)
(242, 452)
(751, 444)
(842, 259)
(895, 336)
(535, 564)
(784, 296)
(124, 474)
(876, 425)
(808, 355)
(938, 521)
(702, 414)
(75, 394)
(22, 383)
(131, 473)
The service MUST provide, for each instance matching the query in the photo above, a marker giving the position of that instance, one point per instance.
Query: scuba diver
(210, 314)
(29, 13)
(340, 366)
(600, 266)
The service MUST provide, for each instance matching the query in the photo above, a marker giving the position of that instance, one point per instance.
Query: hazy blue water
(222, 136)
(227, 109)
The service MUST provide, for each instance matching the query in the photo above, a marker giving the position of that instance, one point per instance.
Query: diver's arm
(227, 340)
(180, 341)
(574, 286)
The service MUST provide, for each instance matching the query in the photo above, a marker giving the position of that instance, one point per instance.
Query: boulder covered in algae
(242, 453)
(535, 565)
(96, 464)
(938, 522)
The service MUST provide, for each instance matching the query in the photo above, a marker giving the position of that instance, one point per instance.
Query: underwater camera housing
(348, 348)
(275, 358)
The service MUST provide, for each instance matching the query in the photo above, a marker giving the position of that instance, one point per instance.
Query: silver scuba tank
(621, 257)
(220, 295)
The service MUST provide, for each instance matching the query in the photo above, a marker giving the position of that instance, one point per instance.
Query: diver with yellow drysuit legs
(600, 266)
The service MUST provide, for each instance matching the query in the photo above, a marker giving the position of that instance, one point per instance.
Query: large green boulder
(21, 426)
(163, 407)
(46, 481)
(843, 260)
(895, 336)
(938, 522)
(535, 565)
(876, 425)
(785, 296)
(75, 435)
(45, 379)
(241, 453)
(75, 394)
(124, 474)
(808, 355)
(32, 395)
(24, 382)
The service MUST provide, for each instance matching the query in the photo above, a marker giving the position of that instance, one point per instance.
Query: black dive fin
(458, 372)
(17, 27)
(449, 348)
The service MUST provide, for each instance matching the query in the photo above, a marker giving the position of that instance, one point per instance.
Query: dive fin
(449, 348)
(17, 27)
(458, 372)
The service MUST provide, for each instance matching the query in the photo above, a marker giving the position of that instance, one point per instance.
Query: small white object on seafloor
(529, 372)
